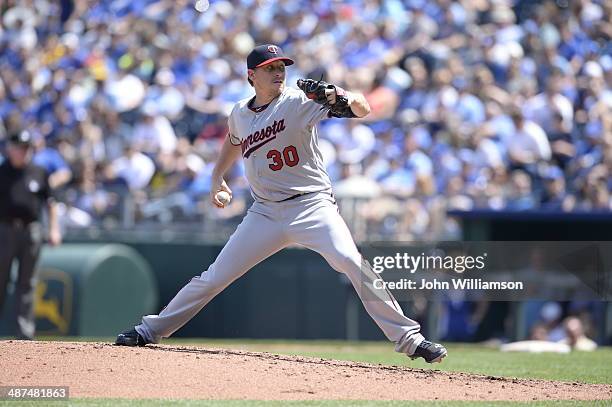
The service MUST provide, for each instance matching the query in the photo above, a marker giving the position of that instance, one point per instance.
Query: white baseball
(223, 197)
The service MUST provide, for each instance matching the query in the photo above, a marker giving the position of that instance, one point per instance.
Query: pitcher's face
(269, 78)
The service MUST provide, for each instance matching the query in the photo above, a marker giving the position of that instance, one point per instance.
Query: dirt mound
(162, 371)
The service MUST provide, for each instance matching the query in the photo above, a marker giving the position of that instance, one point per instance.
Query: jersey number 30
(290, 156)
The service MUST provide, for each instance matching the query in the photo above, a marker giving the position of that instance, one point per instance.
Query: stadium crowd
(476, 104)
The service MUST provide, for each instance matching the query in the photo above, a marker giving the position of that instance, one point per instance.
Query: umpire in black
(24, 190)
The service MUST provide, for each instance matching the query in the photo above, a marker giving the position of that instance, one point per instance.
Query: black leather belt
(295, 196)
(302, 194)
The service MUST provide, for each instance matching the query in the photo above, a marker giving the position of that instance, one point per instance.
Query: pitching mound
(163, 371)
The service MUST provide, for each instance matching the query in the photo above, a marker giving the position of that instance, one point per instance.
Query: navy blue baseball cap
(23, 138)
(264, 54)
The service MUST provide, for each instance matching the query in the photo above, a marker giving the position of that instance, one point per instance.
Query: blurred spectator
(125, 90)
(154, 133)
(560, 137)
(543, 107)
(134, 168)
(529, 144)
(575, 336)
(555, 196)
(92, 197)
(399, 181)
(520, 196)
(116, 134)
(168, 100)
(550, 319)
(52, 161)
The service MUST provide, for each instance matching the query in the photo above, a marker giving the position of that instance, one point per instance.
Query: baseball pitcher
(275, 134)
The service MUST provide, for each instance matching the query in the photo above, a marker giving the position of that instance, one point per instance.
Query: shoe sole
(439, 358)
(124, 342)
(436, 360)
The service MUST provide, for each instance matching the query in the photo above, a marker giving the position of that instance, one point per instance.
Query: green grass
(325, 403)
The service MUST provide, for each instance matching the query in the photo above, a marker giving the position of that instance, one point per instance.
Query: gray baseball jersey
(279, 146)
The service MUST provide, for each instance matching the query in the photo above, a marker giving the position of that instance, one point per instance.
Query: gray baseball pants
(312, 221)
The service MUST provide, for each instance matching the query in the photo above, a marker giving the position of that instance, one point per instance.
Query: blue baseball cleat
(130, 338)
(431, 352)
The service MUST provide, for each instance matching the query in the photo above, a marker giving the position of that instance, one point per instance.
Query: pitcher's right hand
(218, 185)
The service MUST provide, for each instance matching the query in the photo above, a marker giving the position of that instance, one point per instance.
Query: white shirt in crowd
(155, 135)
(531, 138)
(541, 110)
(136, 169)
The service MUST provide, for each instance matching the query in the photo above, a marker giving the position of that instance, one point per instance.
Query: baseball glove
(315, 90)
